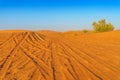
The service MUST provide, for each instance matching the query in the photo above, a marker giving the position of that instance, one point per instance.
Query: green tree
(102, 26)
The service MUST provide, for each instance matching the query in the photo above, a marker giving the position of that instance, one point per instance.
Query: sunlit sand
(50, 55)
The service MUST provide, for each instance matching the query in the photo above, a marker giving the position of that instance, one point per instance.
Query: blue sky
(59, 15)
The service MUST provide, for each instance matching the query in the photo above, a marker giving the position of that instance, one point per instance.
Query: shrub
(85, 31)
(102, 26)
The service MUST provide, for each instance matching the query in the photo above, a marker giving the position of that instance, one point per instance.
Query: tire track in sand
(10, 57)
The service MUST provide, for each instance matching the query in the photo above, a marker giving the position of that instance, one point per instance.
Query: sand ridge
(50, 55)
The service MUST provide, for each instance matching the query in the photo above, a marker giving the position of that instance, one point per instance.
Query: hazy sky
(57, 15)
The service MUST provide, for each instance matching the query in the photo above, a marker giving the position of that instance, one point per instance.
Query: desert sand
(50, 55)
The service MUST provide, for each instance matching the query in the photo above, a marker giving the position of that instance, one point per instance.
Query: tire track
(38, 37)
(51, 61)
(39, 63)
(87, 48)
(69, 56)
(74, 74)
(38, 46)
(55, 61)
(44, 69)
(10, 57)
(6, 41)
(95, 61)
(32, 75)
(54, 57)
(79, 59)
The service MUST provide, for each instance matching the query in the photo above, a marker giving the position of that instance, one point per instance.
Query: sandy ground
(49, 55)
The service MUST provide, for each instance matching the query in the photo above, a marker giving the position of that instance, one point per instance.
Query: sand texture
(49, 55)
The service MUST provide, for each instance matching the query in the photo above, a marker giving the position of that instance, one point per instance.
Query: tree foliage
(102, 26)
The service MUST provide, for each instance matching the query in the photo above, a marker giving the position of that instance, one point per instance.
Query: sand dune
(49, 55)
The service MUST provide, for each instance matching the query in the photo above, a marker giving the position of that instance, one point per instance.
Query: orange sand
(49, 55)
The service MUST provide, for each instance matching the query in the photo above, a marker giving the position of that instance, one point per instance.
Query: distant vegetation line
(101, 26)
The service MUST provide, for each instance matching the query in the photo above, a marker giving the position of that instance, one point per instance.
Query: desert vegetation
(102, 26)
(85, 31)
